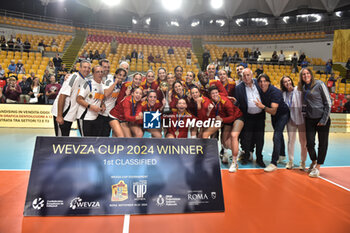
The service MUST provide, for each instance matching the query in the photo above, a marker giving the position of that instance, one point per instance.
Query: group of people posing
(114, 104)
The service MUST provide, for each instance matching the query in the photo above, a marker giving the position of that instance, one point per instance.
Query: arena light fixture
(239, 21)
(261, 20)
(285, 19)
(174, 23)
(195, 23)
(211, 21)
(134, 21)
(338, 13)
(111, 2)
(172, 5)
(308, 17)
(148, 21)
(216, 4)
(221, 22)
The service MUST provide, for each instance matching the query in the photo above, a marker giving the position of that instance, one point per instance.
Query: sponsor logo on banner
(38, 203)
(78, 203)
(120, 191)
(167, 200)
(54, 203)
(213, 195)
(139, 189)
(198, 197)
(151, 120)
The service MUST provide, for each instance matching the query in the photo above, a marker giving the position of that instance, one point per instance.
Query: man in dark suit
(246, 93)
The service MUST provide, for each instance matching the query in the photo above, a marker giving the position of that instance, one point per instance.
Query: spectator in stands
(11, 43)
(329, 65)
(236, 57)
(25, 87)
(281, 58)
(41, 47)
(91, 55)
(19, 45)
(274, 57)
(114, 45)
(141, 56)
(12, 67)
(2, 73)
(57, 61)
(128, 58)
(295, 63)
(171, 50)
(103, 55)
(227, 68)
(31, 78)
(257, 53)
(52, 89)
(54, 44)
(150, 58)
(96, 55)
(188, 57)
(122, 59)
(20, 68)
(62, 71)
(224, 57)
(2, 96)
(317, 118)
(251, 58)
(301, 58)
(84, 55)
(26, 46)
(206, 57)
(12, 91)
(304, 63)
(46, 77)
(331, 83)
(246, 53)
(3, 44)
(158, 59)
(51, 68)
(347, 105)
(36, 92)
(134, 54)
(259, 71)
(74, 69)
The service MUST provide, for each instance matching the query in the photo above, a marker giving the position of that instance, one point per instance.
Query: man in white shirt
(64, 109)
(281, 58)
(90, 105)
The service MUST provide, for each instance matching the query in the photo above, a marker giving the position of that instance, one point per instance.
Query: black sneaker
(260, 163)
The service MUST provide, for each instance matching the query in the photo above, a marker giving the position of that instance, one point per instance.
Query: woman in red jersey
(128, 86)
(149, 83)
(152, 104)
(126, 113)
(178, 122)
(177, 92)
(228, 84)
(222, 109)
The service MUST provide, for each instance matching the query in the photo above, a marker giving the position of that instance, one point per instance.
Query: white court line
(126, 223)
(340, 186)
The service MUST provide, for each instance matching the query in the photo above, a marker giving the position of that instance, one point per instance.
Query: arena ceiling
(230, 8)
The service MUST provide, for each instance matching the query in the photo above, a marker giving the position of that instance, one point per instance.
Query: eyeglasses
(99, 71)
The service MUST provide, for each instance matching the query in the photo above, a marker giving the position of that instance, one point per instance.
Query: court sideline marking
(126, 223)
(340, 186)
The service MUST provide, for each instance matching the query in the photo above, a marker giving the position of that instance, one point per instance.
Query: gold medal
(130, 87)
(90, 95)
(177, 133)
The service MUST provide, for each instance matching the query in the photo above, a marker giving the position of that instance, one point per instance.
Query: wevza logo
(78, 203)
(152, 120)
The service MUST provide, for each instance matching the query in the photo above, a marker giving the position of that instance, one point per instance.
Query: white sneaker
(302, 166)
(233, 167)
(315, 173)
(281, 159)
(312, 165)
(272, 167)
(224, 158)
(290, 164)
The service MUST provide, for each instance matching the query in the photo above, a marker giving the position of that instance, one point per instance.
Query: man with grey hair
(246, 93)
(64, 109)
(211, 70)
(125, 66)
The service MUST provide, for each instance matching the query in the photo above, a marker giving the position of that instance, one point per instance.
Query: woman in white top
(293, 98)
(37, 92)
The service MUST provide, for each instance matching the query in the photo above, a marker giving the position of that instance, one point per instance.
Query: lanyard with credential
(290, 100)
(133, 107)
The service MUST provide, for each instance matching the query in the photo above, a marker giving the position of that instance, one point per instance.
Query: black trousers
(106, 128)
(254, 131)
(90, 127)
(62, 130)
(322, 133)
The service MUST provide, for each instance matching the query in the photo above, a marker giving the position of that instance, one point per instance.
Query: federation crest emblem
(120, 191)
